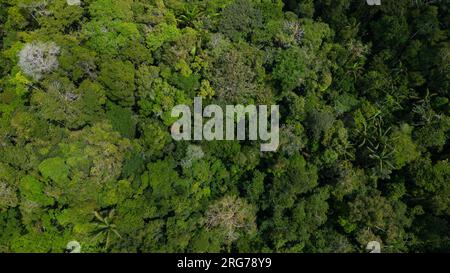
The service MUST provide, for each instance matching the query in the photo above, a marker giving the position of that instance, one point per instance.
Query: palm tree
(191, 15)
(104, 226)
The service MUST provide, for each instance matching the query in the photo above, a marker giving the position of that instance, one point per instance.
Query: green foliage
(111, 10)
(118, 79)
(86, 153)
(54, 168)
(32, 190)
(240, 19)
(161, 34)
(111, 37)
(122, 120)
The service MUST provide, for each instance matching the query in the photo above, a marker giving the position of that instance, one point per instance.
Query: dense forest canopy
(86, 93)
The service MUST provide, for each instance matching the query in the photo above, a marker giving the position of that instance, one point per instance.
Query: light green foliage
(32, 190)
(118, 79)
(405, 148)
(55, 169)
(158, 98)
(193, 154)
(292, 68)
(111, 37)
(111, 10)
(161, 34)
(154, 137)
(63, 16)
